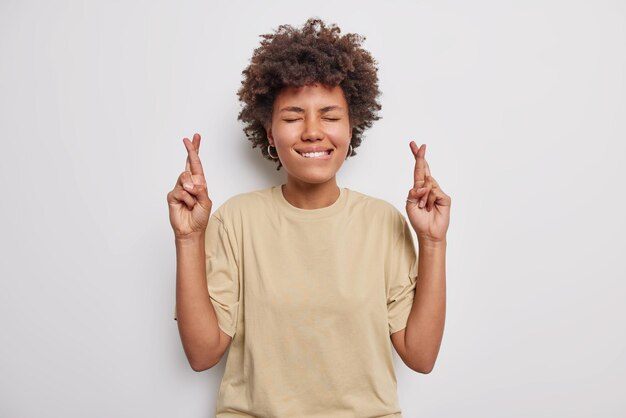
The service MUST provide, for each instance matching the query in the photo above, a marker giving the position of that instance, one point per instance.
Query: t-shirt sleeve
(401, 277)
(222, 275)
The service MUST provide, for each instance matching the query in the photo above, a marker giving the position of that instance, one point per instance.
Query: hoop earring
(269, 147)
(349, 151)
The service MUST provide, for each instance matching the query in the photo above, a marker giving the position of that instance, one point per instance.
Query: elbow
(423, 367)
(422, 361)
(205, 362)
(202, 358)
(200, 366)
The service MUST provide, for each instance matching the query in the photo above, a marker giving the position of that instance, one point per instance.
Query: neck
(311, 196)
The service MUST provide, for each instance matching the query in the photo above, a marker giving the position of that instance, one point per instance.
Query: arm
(418, 344)
(189, 207)
(428, 209)
(203, 341)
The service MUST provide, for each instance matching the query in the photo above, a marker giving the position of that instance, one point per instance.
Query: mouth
(319, 155)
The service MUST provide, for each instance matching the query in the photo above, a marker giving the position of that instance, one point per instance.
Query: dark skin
(430, 224)
(428, 210)
(190, 207)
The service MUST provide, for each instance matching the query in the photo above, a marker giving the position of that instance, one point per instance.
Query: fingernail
(188, 186)
(421, 203)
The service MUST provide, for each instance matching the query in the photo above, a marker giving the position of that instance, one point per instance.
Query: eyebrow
(301, 110)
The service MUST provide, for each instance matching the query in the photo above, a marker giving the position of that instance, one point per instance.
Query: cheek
(340, 132)
(280, 136)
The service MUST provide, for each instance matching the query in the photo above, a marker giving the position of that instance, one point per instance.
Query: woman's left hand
(427, 206)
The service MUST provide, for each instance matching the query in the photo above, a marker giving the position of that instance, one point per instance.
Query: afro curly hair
(317, 53)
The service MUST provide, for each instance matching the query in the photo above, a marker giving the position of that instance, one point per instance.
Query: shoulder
(240, 203)
(375, 208)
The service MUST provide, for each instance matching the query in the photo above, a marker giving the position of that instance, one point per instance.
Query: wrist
(431, 244)
(189, 239)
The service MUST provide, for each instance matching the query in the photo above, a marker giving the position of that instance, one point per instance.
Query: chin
(312, 177)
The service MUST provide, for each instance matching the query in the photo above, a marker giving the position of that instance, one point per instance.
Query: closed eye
(291, 120)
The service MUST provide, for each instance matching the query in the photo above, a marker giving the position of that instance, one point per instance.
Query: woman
(307, 282)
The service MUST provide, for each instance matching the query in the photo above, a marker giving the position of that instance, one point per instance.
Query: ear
(270, 137)
(351, 124)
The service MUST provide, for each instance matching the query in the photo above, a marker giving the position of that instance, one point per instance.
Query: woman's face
(311, 131)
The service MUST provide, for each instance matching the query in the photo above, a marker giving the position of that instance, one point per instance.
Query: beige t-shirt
(310, 297)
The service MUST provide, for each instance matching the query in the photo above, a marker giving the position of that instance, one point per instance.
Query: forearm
(197, 321)
(425, 324)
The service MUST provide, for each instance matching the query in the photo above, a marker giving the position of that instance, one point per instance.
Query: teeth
(315, 154)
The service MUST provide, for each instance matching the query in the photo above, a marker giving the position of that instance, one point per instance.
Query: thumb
(198, 190)
(203, 197)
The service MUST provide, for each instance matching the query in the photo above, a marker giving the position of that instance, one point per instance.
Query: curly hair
(317, 53)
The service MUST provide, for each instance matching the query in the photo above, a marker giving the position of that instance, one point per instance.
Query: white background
(522, 105)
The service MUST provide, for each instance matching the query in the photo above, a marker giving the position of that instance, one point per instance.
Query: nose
(312, 130)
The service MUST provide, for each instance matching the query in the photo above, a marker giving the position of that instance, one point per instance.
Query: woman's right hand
(189, 201)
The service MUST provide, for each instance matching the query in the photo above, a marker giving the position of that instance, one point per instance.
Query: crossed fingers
(193, 163)
(193, 174)
(425, 188)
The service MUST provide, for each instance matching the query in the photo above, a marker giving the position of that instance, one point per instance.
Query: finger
(187, 165)
(196, 145)
(429, 185)
(430, 203)
(417, 192)
(419, 171)
(424, 198)
(194, 161)
(430, 181)
(415, 195)
(441, 200)
(196, 142)
(178, 196)
(196, 185)
(434, 182)
(414, 148)
(198, 180)
(427, 168)
(199, 191)
(184, 180)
